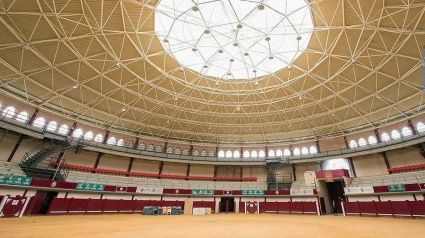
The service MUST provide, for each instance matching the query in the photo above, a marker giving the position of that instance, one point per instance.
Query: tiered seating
(384, 180)
(408, 168)
(115, 180)
(151, 175)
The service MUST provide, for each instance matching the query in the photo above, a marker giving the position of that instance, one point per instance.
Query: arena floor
(231, 225)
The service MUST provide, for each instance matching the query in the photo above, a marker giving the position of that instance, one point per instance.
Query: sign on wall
(252, 192)
(302, 191)
(356, 190)
(15, 180)
(329, 177)
(90, 186)
(149, 190)
(396, 188)
(202, 192)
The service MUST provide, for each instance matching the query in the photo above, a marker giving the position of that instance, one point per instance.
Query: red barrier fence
(92, 206)
(202, 204)
(289, 207)
(388, 208)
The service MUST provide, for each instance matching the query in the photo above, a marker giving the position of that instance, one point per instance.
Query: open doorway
(227, 204)
(336, 193)
(46, 204)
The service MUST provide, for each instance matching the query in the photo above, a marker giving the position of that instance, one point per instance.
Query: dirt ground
(223, 225)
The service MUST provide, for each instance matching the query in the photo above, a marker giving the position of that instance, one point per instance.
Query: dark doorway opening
(227, 205)
(322, 205)
(336, 193)
(46, 204)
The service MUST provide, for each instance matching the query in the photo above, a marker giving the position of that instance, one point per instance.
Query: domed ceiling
(217, 71)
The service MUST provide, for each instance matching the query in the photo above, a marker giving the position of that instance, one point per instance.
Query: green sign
(202, 192)
(252, 192)
(90, 186)
(396, 188)
(15, 180)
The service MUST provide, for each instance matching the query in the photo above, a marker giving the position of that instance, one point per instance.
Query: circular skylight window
(234, 39)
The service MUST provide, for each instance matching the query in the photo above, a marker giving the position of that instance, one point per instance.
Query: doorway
(336, 193)
(227, 204)
(46, 204)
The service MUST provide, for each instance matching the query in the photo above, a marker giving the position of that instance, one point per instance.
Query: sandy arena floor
(231, 225)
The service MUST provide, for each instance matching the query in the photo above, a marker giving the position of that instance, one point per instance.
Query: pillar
(290, 150)
(241, 172)
(241, 155)
(387, 163)
(216, 151)
(106, 137)
(32, 118)
(187, 171)
(267, 152)
(346, 143)
(74, 125)
(353, 169)
(130, 166)
(191, 150)
(422, 150)
(215, 171)
(136, 142)
(378, 136)
(164, 150)
(409, 122)
(318, 146)
(161, 165)
(293, 172)
(96, 163)
(15, 148)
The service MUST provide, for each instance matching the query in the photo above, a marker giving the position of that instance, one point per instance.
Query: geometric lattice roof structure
(103, 62)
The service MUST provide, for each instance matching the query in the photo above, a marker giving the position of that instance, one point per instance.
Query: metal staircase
(41, 161)
(275, 181)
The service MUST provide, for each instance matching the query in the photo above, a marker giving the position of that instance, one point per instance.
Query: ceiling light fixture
(256, 83)
(300, 97)
(207, 32)
(238, 108)
(195, 8)
(75, 86)
(166, 40)
(123, 109)
(299, 38)
(261, 7)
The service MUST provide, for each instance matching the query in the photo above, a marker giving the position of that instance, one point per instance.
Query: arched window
(98, 138)
(77, 133)
(9, 112)
(385, 137)
(142, 146)
(211, 153)
(406, 131)
(203, 153)
(88, 135)
(130, 144)
(279, 153)
(22, 117)
(271, 153)
(120, 142)
(353, 144)
(63, 130)
(195, 153)
(362, 142)
(254, 154)
(372, 140)
(304, 151)
(52, 126)
(170, 150)
(186, 151)
(158, 149)
(111, 141)
(229, 154)
(286, 152)
(236, 154)
(39, 122)
(297, 151)
(420, 127)
(221, 154)
(313, 150)
(178, 151)
(261, 154)
(150, 148)
(246, 154)
(395, 134)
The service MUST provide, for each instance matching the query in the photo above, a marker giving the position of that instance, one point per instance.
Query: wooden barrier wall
(93, 206)
(385, 208)
(284, 207)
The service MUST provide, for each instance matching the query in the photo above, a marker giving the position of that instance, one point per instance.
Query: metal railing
(160, 183)
(393, 179)
(131, 151)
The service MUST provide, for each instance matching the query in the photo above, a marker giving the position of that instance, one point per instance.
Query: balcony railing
(339, 153)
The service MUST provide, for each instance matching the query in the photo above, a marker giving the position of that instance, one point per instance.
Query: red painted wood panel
(401, 208)
(78, 205)
(367, 207)
(59, 205)
(384, 208)
(111, 205)
(95, 205)
(418, 207)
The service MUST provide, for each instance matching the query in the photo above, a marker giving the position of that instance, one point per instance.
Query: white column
(343, 209)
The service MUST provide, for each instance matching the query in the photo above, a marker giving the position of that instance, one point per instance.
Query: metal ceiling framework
(100, 60)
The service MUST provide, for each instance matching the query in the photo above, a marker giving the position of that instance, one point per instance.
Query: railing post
(57, 168)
